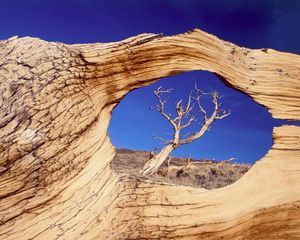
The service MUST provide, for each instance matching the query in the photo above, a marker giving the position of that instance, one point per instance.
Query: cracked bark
(55, 106)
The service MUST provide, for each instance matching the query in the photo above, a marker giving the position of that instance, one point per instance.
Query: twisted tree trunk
(157, 160)
(55, 106)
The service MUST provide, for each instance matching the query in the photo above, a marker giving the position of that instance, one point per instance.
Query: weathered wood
(55, 106)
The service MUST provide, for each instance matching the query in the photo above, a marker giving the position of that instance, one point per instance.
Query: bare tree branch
(188, 123)
(161, 107)
(221, 164)
(197, 98)
(208, 121)
(224, 114)
(162, 139)
(188, 114)
(189, 107)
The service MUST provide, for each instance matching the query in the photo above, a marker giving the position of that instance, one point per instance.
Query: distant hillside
(207, 174)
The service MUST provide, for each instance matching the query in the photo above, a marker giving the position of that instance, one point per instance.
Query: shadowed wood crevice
(55, 106)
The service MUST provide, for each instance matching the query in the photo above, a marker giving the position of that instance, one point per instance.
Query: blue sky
(245, 134)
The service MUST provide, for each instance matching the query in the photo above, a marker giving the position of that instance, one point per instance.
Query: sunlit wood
(55, 106)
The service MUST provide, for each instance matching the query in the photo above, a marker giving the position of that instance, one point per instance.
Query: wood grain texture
(55, 106)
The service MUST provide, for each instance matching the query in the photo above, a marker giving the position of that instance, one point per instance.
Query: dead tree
(186, 115)
(224, 162)
(192, 165)
(171, 168)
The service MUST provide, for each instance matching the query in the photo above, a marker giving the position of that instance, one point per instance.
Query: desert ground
(203, 173)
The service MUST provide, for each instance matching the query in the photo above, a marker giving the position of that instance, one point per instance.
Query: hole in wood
(218, 158)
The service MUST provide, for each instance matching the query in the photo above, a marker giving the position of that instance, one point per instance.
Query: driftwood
(55, 106)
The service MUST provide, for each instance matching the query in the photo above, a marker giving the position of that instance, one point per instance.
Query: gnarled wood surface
(56, 183)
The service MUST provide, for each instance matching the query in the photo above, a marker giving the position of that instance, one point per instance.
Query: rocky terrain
(207, 174)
